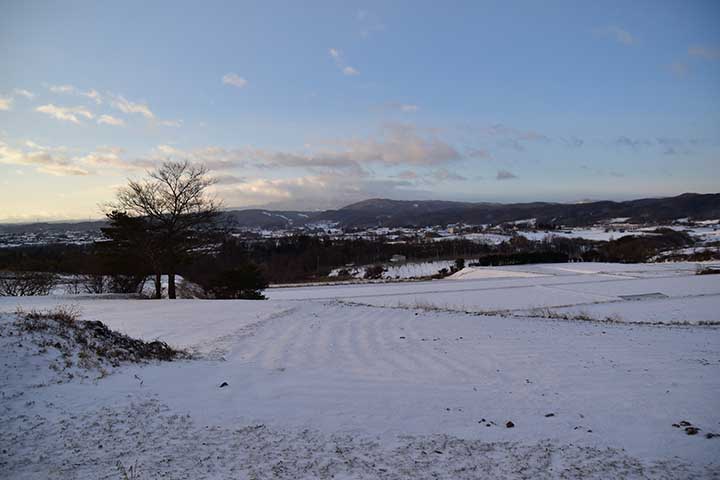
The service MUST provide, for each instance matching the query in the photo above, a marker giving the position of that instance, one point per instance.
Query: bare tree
(20, 284)
(177, 213)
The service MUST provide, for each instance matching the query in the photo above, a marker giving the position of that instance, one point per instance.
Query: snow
(322, 386)
(518, 289)
(596, 234)
(401, 271)
(470, 273)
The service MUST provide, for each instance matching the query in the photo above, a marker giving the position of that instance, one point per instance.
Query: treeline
(305, 258)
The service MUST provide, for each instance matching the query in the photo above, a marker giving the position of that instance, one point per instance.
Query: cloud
(126, 106)
(234, 80)
(110, 120)
(314, 191)
(633, 143)
(93, 95)
(443, 174)
(573, 142)
(508, 137)
(171, 123)
(676, 146)
(616, 33)
(667, 145)
(402, 107)
(20, 92)
(707, 53)
(69, 114)
(505, 175)
(6, 103)
(107, 157)
(43, 160)
(229, 179)
(396, 144)
(62, 89)
(433, 177)
(407, 175)
(501, 130)
(215, 158)
(72, 90)
(477, 153)
(339, 60)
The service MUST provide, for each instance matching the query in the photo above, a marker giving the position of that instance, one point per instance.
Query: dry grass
(89, 344)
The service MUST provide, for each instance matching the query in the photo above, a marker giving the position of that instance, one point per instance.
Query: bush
(95, 283)
(374, 272)
(126, 283)
(243, 282)
(459, 264)
(20, 284)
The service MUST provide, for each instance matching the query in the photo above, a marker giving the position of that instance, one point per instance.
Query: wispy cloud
(171, 123)
(6, 103)
(62, 88)
(616, 33)
(43, 160)
(126, 106)
(110, 120)
(479, 153)
(73, 90)
(235, 80)
(508, 137)
(21, 92)
(402, 107)
(93, 95)
(443, 174)
(107, 157)
(707, 53)
(505, 175)
(633, 143)
(339, 60)
(68, 114)
(394, 145)
(315, 191)
(572, 141)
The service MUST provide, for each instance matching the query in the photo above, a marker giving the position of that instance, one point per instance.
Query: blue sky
(310, 105)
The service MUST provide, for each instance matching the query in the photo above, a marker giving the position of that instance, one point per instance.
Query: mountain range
(398, 213)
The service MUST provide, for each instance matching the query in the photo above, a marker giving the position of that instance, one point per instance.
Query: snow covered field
(402, 270)
(338, 382)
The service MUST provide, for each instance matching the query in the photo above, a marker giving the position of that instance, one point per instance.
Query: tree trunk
(171, 285)
(158, 286)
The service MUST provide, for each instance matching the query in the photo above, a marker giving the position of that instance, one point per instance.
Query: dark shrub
(374, 272)
(243, 282)
(126, 283)
(459, 264)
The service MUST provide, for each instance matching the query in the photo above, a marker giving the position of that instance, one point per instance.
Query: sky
(317, 104)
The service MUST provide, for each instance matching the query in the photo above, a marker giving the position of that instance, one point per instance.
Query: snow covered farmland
(535, 371)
